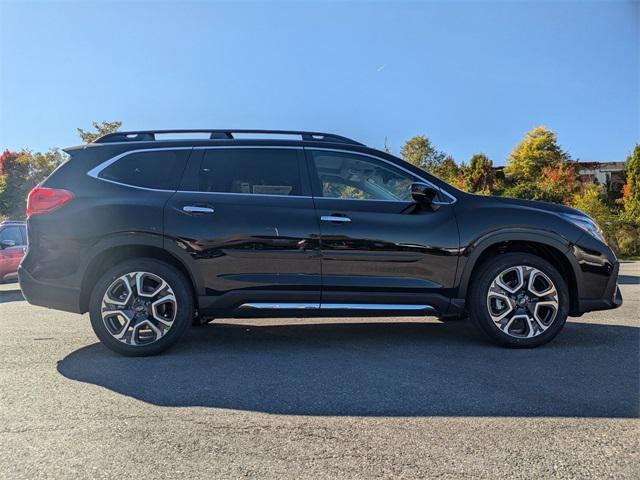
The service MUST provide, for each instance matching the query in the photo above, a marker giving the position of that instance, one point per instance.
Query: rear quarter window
(159, 170)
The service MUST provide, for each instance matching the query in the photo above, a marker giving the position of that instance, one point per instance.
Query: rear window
(251, 171)
(159, 170)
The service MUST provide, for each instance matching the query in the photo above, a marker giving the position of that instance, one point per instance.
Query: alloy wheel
(522, 301)
(138, 308)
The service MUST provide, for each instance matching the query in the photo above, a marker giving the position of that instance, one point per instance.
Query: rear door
(378, 250)
(246, 217)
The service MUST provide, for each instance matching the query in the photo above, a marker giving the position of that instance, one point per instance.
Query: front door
(379, 252)
(246, 217)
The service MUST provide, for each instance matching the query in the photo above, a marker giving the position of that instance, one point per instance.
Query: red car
(13, 245)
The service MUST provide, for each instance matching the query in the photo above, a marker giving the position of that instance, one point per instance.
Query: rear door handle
(196, 209)
(334, 219)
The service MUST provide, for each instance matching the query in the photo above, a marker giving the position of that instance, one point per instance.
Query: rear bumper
(48, 295)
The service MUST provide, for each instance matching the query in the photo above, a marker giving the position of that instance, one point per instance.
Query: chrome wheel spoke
(531, 327)
(511, 279)
(125, 315)
(539, 284)
(149, 285)
(499, 305)
(148, 324)
(168, 305)
(551, 307)
(119, 292)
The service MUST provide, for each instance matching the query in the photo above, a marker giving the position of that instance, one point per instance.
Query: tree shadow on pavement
(390, 369)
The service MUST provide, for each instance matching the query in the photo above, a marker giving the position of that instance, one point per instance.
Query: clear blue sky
(471, 76)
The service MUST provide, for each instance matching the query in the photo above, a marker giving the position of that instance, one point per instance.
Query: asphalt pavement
(363, 398)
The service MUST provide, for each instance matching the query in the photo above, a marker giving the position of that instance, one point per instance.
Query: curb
(11, 295)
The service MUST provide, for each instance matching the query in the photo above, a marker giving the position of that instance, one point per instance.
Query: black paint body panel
(275, 249)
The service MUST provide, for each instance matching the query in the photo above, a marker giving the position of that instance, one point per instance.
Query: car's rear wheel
(141, 307)
(518, 300)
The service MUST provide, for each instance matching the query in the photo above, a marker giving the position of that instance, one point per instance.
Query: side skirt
(254, 309)
(276, 304)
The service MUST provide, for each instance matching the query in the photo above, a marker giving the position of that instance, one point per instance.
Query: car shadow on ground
(391, 369)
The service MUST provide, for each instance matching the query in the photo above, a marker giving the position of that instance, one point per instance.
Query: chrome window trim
(280, 306)
(444, 192)
(96, 171)
(243, 194)
(375, 306)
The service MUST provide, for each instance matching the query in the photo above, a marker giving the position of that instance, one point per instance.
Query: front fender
(473, 252)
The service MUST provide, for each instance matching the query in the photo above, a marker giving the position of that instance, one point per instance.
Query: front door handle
(196, 209)
(334, 219)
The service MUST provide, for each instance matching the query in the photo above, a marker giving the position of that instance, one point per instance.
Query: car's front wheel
(141, 307)
(518, 300)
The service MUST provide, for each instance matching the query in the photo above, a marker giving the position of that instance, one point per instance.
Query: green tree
(19, 173)
(538, 169)
(589, 200)
(446, 170)
(420, 152)
(42, 164)
(557, 183)
(622, 235)
(99, 129)
(14, 185)
(538, 149)
(478, 176)
(631, 190)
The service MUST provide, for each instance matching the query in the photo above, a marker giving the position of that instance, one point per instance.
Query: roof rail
(221, 134)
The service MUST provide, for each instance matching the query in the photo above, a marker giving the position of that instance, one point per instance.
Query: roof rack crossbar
(221, 134)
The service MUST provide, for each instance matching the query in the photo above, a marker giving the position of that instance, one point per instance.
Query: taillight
(45, 200)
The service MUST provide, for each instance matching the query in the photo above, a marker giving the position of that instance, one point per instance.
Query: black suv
(150, 234)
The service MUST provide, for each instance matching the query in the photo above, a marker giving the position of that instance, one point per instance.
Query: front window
(356, 177)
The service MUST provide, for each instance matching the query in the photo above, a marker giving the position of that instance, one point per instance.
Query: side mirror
(424, 195)
(6, 244)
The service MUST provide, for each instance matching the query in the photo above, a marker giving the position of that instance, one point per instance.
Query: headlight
(585, 223)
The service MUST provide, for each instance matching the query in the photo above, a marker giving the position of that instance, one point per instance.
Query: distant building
(609, 174)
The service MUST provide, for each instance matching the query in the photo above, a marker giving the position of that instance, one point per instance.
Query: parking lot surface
(394, 398)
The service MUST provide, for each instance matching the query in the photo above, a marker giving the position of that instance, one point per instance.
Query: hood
(531, 204)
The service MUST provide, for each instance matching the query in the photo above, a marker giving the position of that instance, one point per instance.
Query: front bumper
(612, 297)
(48, 295)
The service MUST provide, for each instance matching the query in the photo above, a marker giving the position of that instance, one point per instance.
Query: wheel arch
(120, 248)
(555, 249)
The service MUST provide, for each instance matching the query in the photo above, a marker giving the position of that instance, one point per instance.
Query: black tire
(477, 299)
(183, 313)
